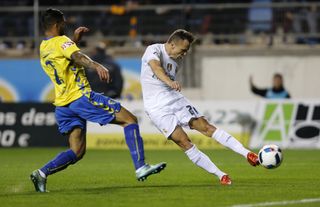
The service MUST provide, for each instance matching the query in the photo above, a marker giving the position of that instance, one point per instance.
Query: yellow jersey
(69, 80)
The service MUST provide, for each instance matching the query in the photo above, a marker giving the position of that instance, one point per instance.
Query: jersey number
(49, 63)
(192, 110)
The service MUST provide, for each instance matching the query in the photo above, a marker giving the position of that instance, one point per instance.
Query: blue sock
(135, 144)
(62, 161)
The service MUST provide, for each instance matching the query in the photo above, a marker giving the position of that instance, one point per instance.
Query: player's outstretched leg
(61, 162)
(198, 157)
(135, 144)
(224, 138)
(229, 141)
(39, 177)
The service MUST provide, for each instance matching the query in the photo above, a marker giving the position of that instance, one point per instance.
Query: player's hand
(78, 33)
(103, 73)
(175, 85)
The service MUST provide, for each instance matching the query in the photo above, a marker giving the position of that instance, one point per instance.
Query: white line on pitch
(280, 203)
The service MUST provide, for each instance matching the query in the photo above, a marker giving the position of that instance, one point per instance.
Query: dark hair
(181, 34)
(50, 17)
(277, 75)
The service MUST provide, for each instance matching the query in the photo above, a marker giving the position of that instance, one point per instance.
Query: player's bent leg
(135, 144)
(179, 137)
(203, 126)
(63, 160)
(77, 142)
(132, 135)
(124, 118)
(196, 156)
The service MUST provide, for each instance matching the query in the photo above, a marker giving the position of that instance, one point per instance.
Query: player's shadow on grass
(135, 187)
(106, 189)
(26, 193)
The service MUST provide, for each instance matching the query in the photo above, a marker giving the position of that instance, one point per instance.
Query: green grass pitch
(106, 178)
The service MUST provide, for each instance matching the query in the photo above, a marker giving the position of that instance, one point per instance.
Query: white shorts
(176, 114)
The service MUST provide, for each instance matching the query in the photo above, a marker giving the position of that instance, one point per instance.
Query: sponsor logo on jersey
(67, 44)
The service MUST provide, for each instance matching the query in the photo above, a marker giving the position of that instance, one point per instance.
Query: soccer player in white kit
(170, 111)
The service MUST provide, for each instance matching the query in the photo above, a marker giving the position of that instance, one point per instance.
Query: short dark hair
(181, 34)
(277, 75)
(50, 17)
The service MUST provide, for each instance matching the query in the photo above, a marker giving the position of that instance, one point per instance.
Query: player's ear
(55, 25)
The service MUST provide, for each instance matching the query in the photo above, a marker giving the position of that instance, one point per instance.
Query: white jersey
(157, 94)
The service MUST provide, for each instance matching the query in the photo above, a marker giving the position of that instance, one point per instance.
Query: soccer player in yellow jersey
(76, 103)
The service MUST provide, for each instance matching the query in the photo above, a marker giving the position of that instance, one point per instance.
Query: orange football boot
(253, 159)
(225, 180)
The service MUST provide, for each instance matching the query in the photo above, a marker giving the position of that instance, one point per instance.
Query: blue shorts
(98, 108)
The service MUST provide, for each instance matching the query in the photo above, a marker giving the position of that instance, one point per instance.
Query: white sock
(42, 174)
(203, 161)
(229, 141)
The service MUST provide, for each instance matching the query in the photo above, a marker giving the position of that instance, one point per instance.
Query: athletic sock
(135, 144)
(62, 161)
(229, 141)
(203, 161)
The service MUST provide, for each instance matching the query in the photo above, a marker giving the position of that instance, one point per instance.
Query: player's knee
(135, 119)
(203, 126)
(132, 119)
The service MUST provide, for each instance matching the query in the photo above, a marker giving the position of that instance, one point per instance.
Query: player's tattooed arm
(83, 60)
(160, 73)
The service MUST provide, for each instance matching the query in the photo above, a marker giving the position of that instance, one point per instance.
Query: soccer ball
(270, 156)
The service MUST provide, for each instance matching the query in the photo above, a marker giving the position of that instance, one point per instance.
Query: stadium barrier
(29, 125)
(17, 80)
(289, 124)
(211, 71)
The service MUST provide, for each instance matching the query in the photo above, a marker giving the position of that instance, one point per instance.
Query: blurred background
(229, 72)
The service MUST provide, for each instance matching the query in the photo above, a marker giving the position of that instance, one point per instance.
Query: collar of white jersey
(164, 51)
